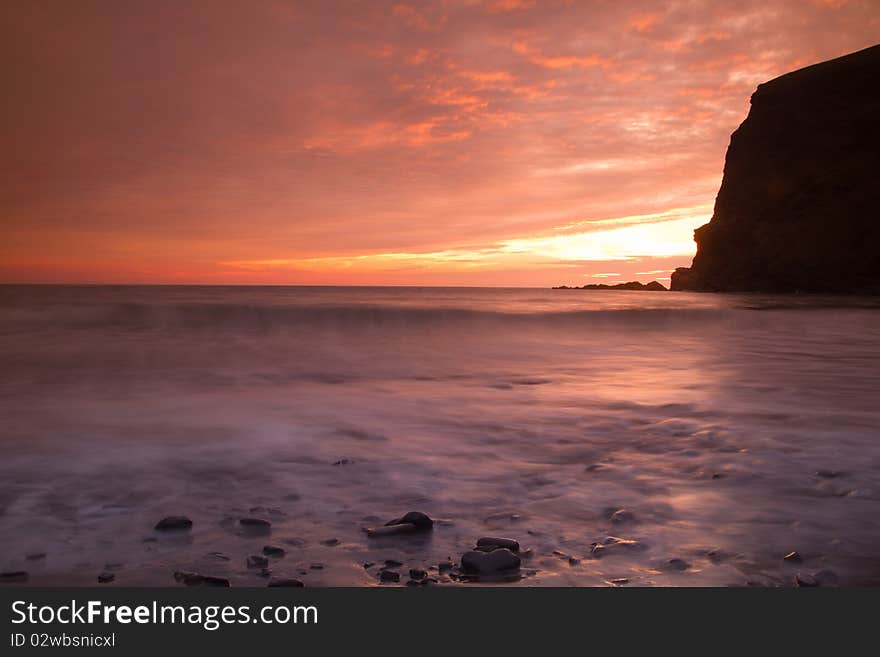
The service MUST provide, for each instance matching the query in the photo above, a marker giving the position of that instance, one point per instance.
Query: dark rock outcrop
(798, 206)
(653, 286)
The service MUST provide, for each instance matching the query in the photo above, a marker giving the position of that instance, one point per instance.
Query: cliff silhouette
(799, 204)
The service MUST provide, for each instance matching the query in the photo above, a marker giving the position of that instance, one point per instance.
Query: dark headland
(799, 204)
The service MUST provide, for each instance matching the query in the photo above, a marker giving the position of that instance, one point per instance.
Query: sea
(623, 438)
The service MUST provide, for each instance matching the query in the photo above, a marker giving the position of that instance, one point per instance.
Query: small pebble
(792, 557)
(255, 523)
(621, 516)
(273, 551)
(174, 523)
(257, 561)
(105, 577)
(187, 578)
(827, 474)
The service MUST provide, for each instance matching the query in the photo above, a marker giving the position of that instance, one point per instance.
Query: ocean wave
(270, 317)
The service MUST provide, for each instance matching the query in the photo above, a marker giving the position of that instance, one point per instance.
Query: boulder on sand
(497, 562)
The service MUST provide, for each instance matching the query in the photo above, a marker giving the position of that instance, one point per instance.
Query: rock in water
(622, 516)
(257, 561)
(188, 578)
(255, 526)
(490, 543)
(495, 562)
(797, 208)
(105, 577)
(676, 564)
(417, 518)
(174, 523)
(414, 521)
(14, 576)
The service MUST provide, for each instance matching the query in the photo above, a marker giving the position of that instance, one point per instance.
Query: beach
(621, 438)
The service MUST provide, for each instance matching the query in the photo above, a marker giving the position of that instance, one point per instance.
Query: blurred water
(734, 429)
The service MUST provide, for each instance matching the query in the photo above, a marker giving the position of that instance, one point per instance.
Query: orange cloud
(510, 5)
(456, 142)
(561, 61)
(643, 22)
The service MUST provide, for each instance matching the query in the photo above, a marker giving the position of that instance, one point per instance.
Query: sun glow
(666, 238)
(672, 237)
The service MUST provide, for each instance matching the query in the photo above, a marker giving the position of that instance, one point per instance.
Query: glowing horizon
(506, 142)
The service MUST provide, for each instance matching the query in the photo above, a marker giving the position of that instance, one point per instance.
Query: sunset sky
(505, 142)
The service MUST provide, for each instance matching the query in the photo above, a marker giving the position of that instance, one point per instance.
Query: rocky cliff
(799, 204)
